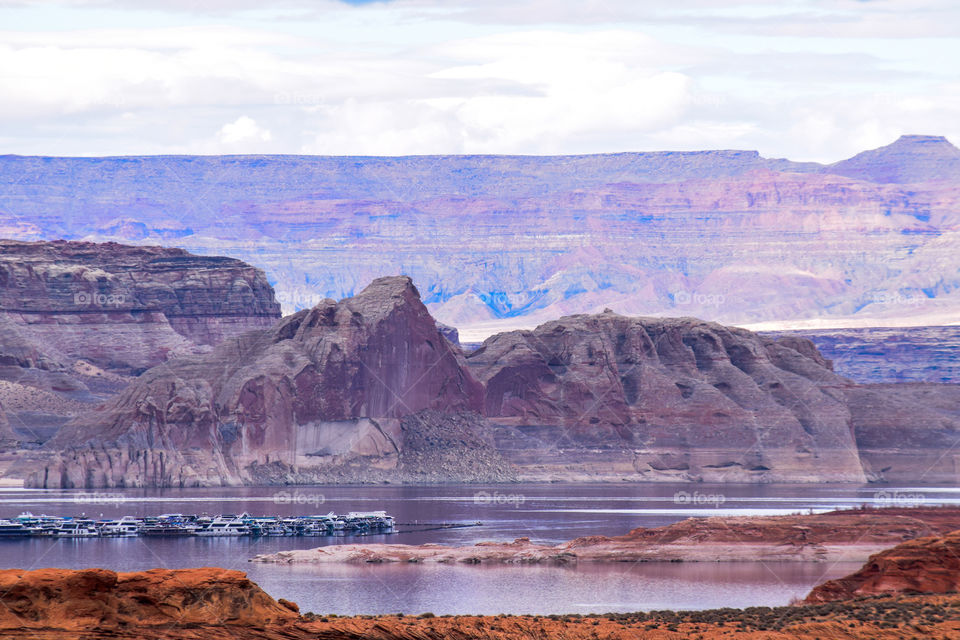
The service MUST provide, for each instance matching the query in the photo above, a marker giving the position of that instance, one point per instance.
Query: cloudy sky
(809, 80)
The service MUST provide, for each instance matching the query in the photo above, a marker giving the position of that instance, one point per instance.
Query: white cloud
(418, 76)
(243, 129)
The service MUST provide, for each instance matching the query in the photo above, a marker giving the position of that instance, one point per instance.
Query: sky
(809, 80)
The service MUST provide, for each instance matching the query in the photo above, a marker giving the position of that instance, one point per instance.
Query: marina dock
(27, 525)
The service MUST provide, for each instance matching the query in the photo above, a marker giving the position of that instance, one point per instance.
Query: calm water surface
(548, 513)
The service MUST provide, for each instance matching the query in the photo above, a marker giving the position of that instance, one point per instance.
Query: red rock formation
(368, 389)
(100, 599)
(323, 388)
(679, 398)
(925, 565)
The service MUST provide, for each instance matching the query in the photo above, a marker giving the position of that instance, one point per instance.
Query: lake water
(548, 513)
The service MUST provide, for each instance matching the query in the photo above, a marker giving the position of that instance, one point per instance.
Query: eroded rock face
(685, 399)
(323, 390)
(126, 308)
(100, 599)
(925, 565)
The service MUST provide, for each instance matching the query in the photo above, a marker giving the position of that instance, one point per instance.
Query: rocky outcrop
(79, 319)
(673, 398)
(848, 535)
(98, 599)
(323, 394)
(124, 308)
(928, 565)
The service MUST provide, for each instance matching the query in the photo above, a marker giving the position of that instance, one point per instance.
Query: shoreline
(849, 535)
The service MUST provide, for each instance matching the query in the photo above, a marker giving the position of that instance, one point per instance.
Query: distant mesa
(498, 242)
(911, 159)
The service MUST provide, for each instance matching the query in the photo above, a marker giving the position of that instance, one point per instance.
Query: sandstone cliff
(322, 395)
(925, 565)
(668, 399)
(368, 389)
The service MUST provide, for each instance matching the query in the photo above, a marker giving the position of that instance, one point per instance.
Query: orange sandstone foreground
(216, 604)
(845, 535)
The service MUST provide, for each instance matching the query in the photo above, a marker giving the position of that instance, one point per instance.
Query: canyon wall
(513, 241)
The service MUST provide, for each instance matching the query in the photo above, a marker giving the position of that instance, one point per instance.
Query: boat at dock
(76, 529)
(123, 528)
(224, 526)
(11, 529)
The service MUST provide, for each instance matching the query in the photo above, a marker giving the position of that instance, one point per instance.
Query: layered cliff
(727, 236)
(330, 393)
(368, 389)
(126, 308)
(669, 398)
(78, 320)
(889, 354)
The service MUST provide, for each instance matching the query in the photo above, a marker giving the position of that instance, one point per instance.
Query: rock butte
(368, 389)
(216, 604)
(847, 535)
